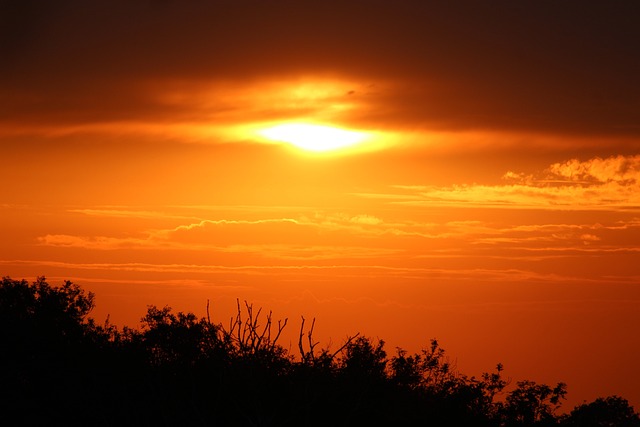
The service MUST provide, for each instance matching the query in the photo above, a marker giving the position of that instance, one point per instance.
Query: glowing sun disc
(313, 137)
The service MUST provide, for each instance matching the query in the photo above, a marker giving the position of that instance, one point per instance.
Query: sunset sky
(462, 170)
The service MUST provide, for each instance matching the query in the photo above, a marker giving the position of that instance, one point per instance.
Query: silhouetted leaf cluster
(58, 367)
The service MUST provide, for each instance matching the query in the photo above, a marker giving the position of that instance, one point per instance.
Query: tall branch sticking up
(248, 335)
(310, 356)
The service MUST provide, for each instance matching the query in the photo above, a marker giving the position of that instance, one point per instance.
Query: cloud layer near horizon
(568, 211)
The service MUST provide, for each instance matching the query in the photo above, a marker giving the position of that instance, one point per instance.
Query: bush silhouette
(603, 412)
(58, 367)
(532, 404)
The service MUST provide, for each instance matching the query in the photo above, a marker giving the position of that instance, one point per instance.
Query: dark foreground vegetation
(58, 367)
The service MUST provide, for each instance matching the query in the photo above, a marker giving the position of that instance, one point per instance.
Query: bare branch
(300, 346)
(312, 345)
(280, 329)
(349, 340)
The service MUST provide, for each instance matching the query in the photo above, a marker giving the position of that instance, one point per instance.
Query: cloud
(313, 238)
(311, 252)
(365, 220)
(129, 213)
(346, 271)
(343, 237)
(451, 66)
(623, 170)
(205, 222)
(587, 238)
(597, 184)
(93, 242)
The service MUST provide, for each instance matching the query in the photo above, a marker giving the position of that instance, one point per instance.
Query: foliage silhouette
(533, 404)
(603, 412)
(58, 367)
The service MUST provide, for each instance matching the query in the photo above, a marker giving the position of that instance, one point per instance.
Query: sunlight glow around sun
(311, 137)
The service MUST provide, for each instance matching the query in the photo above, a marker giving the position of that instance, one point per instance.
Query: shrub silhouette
(532, 404)
(58, 367)
(180, 339)
(603, 412)
(364, 360)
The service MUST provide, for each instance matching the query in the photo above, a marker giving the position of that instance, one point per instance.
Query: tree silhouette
(532, 404)
(45, 353)
(58, 367)
(181, 338)
(612, 411)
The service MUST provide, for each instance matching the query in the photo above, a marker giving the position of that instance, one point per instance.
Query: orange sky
(494, 205)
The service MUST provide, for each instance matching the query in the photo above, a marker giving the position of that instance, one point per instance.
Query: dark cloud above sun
(534, 66)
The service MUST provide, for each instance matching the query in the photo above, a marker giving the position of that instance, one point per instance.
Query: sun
(313, 137)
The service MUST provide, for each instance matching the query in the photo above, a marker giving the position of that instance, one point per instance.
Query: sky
(466, 171)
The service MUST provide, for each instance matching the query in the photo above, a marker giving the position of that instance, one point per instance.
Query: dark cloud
(547, 66)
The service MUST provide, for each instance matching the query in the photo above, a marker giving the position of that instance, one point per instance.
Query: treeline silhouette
(59, 367)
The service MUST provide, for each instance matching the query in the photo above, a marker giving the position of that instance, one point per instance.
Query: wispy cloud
(276, 238)
(382, 271)
(314, 253)
(624, 170)
(93, 242)
(579, 212)
(611, 183)
(233, 222)
(129, 213)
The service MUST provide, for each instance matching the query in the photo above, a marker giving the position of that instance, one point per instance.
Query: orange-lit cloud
(597, 184)
(419, 65)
